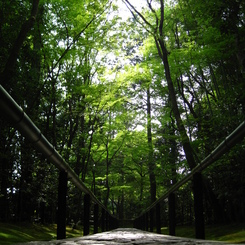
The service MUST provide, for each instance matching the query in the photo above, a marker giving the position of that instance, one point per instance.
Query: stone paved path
(126, 236)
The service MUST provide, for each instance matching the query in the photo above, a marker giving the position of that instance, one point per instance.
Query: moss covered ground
(231, 233)
(25, 232)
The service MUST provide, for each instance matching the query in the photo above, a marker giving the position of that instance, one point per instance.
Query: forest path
(126, 236)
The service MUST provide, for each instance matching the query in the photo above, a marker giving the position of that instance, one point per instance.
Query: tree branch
(154, 12)
(140, 15)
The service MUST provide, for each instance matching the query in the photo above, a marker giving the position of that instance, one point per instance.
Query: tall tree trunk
(107, 176)
(173, 156)
(151, 163)
(173, 100)
(159, 40)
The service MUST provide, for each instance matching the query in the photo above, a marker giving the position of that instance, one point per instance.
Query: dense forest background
(133, 95)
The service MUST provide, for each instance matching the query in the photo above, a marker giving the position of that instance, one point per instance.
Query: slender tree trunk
(151, 163)
(173, 100)
(172, 95)
(54, 112)
(141, 185)
(82, 165)
(173, 157)
(121, 207)
(107, 176)
(81, 157)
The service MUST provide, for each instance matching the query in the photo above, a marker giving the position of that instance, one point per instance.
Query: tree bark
(150, 148)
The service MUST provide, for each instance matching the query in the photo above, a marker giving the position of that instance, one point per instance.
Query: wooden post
(198, 206)
(135, 224)
(146, 221)
(103, 220)
(96, 217)
(142, 222)
(112, 223)
(158, 218)
(61, 214)
(86, 214)
(171, 210)
(151, 219)
(107, 221)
